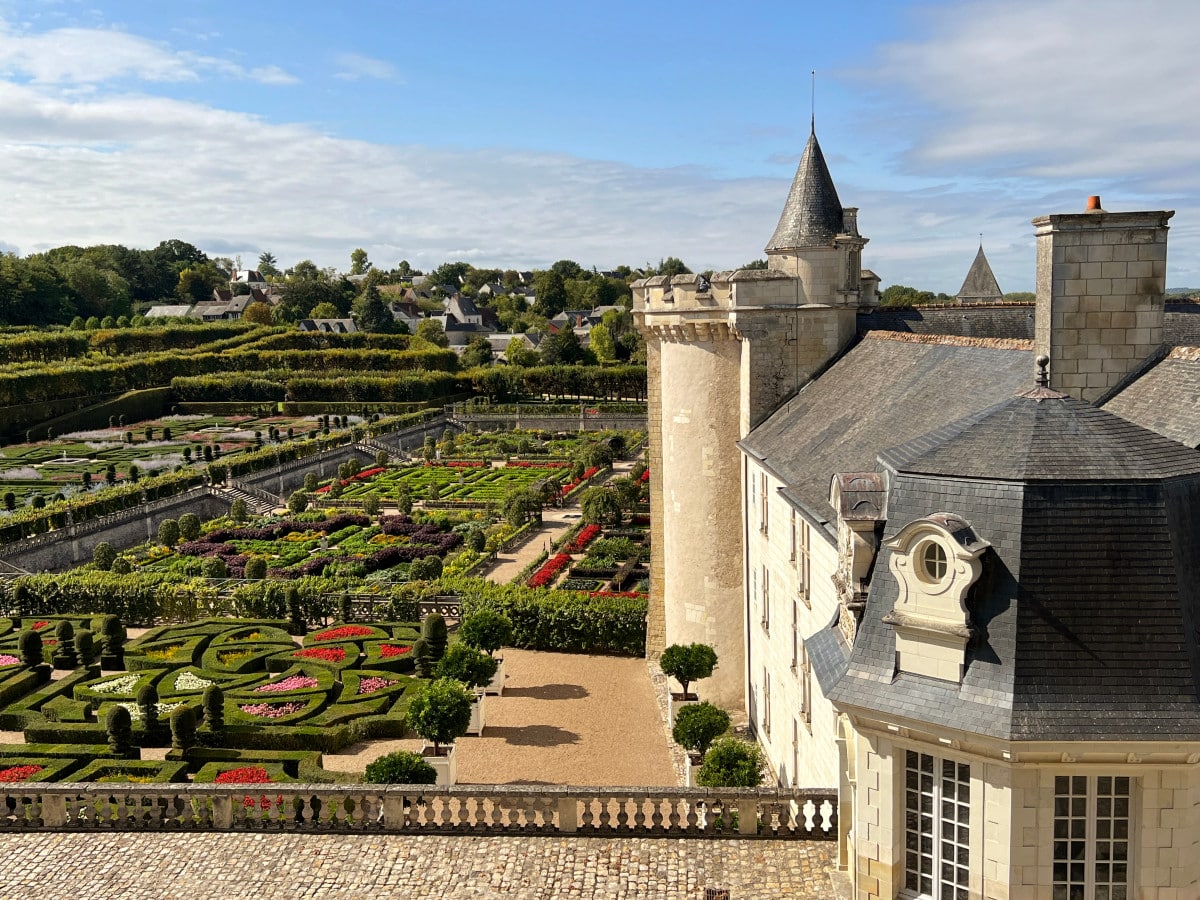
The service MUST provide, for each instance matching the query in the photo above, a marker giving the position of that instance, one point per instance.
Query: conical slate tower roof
(980, 285)
(812, 216)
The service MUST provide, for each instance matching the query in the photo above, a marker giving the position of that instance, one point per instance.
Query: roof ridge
(953, 340)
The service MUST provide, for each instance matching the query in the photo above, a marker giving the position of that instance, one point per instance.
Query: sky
(513, 133)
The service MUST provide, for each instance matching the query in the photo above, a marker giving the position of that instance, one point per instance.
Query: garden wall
(71, 546)
(491, 422)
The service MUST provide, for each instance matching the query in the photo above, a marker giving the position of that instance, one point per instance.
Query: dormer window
(935, 561)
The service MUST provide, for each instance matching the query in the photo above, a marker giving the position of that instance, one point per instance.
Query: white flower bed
(189, 681)
(122, 685)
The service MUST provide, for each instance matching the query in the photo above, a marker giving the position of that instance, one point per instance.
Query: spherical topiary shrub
(189, 526)
(214, 709)
(688, 663)
(401, 767)
(214, 567)
(30, 646)
(147, 701)
(698, 725)
(103, 556)
(122, 566)
(441, 712)
(486, 630)
(112, 638)
(183, 728)
(256, 568)
(433, 629)
(731, 763)
(119, 726)
(466, 664)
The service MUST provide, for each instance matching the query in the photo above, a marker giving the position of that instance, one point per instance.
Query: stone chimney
(1100, 283)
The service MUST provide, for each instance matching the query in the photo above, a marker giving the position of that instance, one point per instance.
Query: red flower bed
(327, 654)
(19, 773)
(244, 775)
(38, 626)
(585, 537)
(588, 473)
(343, 632)
(361, 476)
(388, 651)
(527, 464)
(455, 464)
(549, 570)
(626, 594)
(263, 802)
(645, 476)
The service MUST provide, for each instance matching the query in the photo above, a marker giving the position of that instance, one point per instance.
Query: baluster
(673, 817)
(639, 815)
(656, 816)
(622, 814)
(692, 818)
(479, 818)
(587, 821)
(308, 812)
(497, 812)
(605, 816)
(828, 811)
(808, 816)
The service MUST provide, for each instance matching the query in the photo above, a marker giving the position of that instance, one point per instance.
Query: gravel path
(563, 719)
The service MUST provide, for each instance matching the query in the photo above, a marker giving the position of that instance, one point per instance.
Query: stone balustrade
(796, 814)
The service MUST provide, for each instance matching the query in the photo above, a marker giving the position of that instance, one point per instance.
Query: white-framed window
(1091, 837)
(937, 827)
(764, 521)
(805, 688)
(802, 565)
(766, 701)
(795, 633)
(766, 599)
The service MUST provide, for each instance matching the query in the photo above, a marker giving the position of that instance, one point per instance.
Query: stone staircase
(258, 502)
(373, 448)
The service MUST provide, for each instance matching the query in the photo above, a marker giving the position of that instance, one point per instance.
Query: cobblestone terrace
(200, 866)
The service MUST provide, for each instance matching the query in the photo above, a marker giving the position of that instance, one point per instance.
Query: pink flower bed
(549, 570)
(19, 773)
(7, 660)
(271, 710)
(343, 632)
(244, 775)
(326, 654)
(291, 683)
(373, 684)
(388, 651)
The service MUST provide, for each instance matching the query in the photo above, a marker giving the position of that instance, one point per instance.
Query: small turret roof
(980, 285)
(812, 216)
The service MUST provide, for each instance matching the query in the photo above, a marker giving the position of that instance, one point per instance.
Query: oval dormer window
(932, 562)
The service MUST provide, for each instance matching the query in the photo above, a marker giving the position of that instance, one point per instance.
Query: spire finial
(812, 102)
(981, 240)
(1043, 375)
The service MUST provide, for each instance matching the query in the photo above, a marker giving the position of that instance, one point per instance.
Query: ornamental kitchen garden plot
(282, 703)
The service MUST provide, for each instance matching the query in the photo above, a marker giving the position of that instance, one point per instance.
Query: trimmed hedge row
(560, 620)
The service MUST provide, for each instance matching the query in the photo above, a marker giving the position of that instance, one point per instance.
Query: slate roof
(1165, 399)
(1087, 608)
(1023, 439)
(812, 215)
(885, 390)
(980, 285)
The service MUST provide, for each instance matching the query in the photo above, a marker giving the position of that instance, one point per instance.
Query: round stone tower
(722, 355)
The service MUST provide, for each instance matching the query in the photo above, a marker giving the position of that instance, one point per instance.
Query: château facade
(947, 563)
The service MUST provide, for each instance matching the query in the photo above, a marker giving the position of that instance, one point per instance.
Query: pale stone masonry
(1100, 283)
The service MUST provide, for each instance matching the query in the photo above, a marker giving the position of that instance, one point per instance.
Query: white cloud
(355, 67)
(137, 169)
(92, 56)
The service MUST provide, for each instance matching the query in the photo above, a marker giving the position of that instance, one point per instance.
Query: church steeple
(812, 216)
(980, 285)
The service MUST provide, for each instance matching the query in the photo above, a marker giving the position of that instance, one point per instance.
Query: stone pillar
(1100, 283)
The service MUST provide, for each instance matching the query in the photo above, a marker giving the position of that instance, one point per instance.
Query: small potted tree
(487, 630)
(696, 727)
(440, 714)
(401, 767)
(730, 762)
(474, 669)
(686, 663)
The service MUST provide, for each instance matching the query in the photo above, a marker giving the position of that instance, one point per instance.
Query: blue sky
(517, 133)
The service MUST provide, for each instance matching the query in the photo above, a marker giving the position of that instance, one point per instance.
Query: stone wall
(56, 551)
(283, 480)
(1014, 321)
